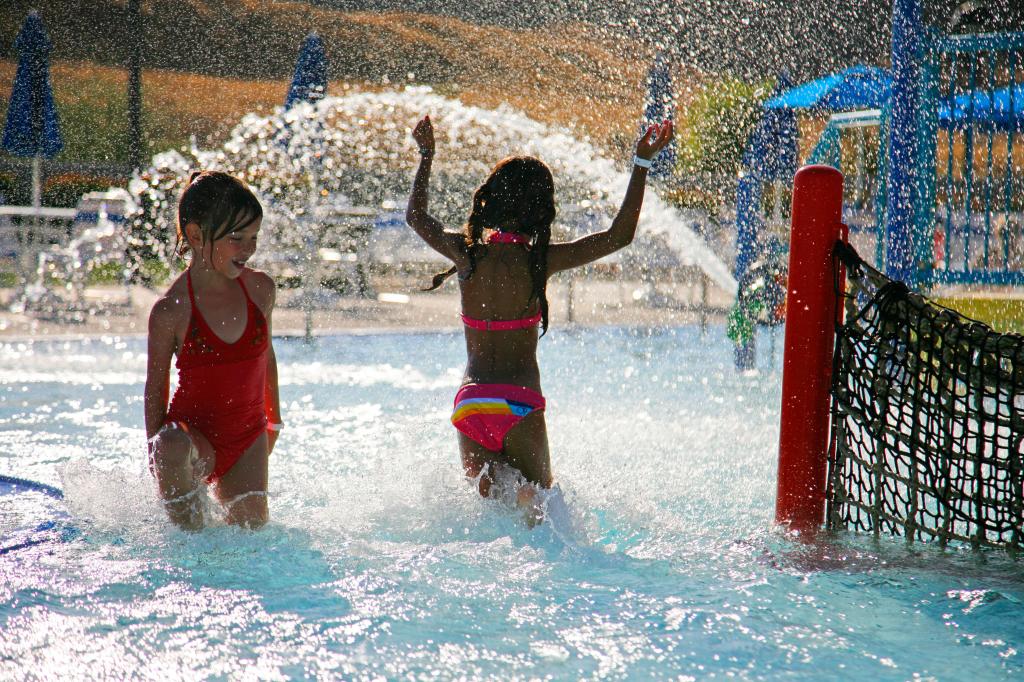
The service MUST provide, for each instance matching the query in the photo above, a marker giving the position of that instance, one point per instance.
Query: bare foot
(186, 511)
(528, 501)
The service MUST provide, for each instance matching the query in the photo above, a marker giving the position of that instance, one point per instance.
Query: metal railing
(25, 231)
(968, 222)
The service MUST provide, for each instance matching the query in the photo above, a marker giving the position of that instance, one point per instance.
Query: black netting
(927, 419)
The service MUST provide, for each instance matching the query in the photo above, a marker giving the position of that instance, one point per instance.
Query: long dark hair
(518, 196)
(219, 203)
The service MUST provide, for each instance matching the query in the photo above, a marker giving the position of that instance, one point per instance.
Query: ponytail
(473, 230)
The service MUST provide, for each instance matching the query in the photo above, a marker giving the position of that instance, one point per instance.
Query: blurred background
(136, 79)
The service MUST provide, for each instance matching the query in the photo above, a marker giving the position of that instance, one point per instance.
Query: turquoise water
(380, 562)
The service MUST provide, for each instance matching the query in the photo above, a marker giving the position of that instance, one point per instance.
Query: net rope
(927, 418)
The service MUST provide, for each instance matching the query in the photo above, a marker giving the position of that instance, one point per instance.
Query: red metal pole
(810, 335)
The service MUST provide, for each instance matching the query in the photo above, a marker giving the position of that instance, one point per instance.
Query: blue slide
(54, 527)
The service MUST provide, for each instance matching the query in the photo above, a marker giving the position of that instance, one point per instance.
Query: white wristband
(271, 426)
(642, 162)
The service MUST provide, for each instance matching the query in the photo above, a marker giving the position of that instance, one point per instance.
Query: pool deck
(1001, 308)
(122, 311)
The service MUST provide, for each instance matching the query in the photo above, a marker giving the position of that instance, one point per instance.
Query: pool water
(380, 562)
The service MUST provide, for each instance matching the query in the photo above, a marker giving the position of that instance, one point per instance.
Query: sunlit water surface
(381, 562)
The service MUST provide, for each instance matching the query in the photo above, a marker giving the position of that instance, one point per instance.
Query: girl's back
(500, 289)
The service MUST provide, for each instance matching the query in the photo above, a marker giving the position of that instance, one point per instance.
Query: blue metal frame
(829, 151)
(915, 197)
(908, 38)
(967, 56)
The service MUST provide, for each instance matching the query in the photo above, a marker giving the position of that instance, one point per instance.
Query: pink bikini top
(507, 238)
(500, 325)
(497, 237)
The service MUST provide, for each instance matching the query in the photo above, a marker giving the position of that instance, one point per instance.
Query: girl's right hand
(654, 140)
(423, 133)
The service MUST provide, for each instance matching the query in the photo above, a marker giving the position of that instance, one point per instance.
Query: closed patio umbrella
(309, 83)
(32, 129)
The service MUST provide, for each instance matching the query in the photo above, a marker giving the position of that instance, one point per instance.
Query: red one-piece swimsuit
(222, 386)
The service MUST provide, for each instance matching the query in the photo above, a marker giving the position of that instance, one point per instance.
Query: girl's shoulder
(173, 307)
(260, 286)
(257, 278)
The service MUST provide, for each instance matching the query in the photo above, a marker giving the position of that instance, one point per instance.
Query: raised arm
(599, 244)
(449, 244)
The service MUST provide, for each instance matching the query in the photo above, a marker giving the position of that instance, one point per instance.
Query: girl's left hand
(424, 136)
(654, 140)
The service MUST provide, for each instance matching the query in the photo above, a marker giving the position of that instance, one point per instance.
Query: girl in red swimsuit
(504, 259)
(223, 420)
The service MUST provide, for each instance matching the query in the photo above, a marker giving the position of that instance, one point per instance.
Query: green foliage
(10, 191)
(154, 270)
(95, 126)
(106, 273)
(714, 128)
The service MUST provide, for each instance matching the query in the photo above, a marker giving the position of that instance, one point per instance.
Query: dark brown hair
(518, 196)
(219, 203)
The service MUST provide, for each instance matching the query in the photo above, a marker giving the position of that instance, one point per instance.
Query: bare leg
(526, 450)
(526, 446)
(179, 461)
(474, 458)
(243, 489)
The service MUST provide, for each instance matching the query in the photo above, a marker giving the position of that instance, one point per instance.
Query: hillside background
(207, 63)
(751, 39)
(569, 73)
(578, 63)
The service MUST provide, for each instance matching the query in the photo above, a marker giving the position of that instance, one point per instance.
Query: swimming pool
(381, 562)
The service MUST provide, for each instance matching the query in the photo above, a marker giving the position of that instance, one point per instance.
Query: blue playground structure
(932, 155)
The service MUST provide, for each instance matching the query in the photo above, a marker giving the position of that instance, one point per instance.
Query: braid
(439, 279)
(474, 229)
(475, 224)
(539, 271)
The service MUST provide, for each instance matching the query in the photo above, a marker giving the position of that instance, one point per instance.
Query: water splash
(356, 150)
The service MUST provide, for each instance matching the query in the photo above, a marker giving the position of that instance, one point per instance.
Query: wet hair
(219, 203)
(518, 196)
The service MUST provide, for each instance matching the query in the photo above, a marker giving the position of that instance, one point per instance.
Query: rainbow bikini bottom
(486, 412)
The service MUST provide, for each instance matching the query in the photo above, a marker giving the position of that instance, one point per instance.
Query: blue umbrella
(32, 127)
(1003, 108)
(859, 87)
(771, 150)
(660, 106)
(309, 83)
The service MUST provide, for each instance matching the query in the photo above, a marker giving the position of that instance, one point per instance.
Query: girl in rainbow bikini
(504, 259)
